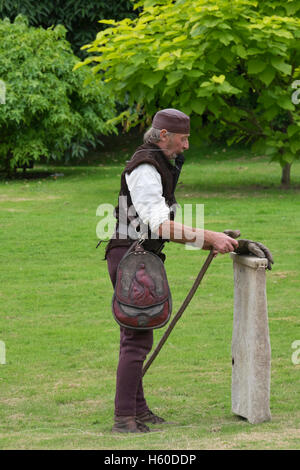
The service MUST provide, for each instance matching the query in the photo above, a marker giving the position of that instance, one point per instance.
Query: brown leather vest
(152, 154)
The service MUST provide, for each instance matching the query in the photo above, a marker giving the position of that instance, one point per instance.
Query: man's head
(170, 130)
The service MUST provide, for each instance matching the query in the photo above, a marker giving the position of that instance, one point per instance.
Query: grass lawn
(57, 386)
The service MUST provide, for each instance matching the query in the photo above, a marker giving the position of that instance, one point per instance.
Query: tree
(47, 111)
(231, 64)
(80, 17)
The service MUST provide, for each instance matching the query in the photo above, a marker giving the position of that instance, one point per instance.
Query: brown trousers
(134, 347)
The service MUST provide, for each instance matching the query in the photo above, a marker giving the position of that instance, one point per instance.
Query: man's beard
(172, 155)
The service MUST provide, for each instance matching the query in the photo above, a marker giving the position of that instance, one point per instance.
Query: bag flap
(149, 311)
(141, 280)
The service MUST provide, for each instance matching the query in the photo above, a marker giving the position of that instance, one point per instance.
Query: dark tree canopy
(80, 17)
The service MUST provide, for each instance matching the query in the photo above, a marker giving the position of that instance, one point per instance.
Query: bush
(47, 110)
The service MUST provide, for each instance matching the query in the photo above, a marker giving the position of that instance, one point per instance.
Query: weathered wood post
(251, 351)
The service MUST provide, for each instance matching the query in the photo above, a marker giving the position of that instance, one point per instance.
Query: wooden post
(251, 351)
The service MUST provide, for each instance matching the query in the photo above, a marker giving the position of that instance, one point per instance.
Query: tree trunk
(286, 175)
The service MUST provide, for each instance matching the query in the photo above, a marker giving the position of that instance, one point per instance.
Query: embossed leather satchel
(142, 298)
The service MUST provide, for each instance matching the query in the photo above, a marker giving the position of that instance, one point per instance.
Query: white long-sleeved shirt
(146, 191)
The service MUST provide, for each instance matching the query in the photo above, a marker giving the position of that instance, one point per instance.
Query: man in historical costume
(147, 186)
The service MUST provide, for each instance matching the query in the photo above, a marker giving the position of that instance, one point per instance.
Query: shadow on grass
(112, 156)
(28, 175)
(203, 189)
(234, 189)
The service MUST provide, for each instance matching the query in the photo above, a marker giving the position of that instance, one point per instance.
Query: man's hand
(222, 243)
(246, 247)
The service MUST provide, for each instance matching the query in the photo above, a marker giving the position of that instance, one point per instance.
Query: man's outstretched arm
(205, 239)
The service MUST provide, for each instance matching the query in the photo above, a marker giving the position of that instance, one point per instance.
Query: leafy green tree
(231, 63)
(80, 17)
(47, 112)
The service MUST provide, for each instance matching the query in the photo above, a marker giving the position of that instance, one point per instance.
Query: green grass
(57, 386)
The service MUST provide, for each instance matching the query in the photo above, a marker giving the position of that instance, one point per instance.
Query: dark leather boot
(149, 417)
(129, 424)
